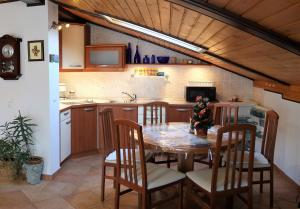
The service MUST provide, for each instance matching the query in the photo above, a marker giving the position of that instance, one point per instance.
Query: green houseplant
(17, 138)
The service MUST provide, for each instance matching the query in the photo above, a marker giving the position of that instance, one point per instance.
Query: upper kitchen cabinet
(105, 57)
(72, 43)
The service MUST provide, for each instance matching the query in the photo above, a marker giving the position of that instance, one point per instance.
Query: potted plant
(7, 167)
(19, 134)
(202, 118)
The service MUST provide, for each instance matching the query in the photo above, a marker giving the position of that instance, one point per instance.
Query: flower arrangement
(203, 117)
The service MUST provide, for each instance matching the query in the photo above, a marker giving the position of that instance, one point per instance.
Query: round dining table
(176, 138)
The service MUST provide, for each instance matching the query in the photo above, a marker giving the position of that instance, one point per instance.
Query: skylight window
(154, 34)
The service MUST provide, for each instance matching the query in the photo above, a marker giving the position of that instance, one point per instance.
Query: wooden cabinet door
(72, 41)
(179, 113)
(84, 129)
(128, 112)
(65, 139)
(110, 57)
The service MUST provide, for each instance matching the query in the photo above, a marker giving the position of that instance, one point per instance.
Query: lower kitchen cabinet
(180, 113)
(84, 129)
(65, 134)
(129, 112)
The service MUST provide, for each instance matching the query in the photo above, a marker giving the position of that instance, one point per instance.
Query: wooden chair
(229, 180)
(155, 110)
(144, 178)
(264, 161)
(106, 119)
(223, 113)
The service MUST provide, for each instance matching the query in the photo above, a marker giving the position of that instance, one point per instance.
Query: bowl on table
(162, 59)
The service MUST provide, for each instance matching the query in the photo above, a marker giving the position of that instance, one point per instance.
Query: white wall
(287, 155)
(111, 84)
(36, 92)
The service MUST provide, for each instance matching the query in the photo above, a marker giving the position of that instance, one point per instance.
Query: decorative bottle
(137, 57)
(128, 54)
(146, 59)
(153, 59)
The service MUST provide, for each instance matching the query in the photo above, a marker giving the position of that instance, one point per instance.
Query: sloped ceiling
(229, 47)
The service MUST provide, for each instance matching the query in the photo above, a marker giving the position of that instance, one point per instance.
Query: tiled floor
(77, 186)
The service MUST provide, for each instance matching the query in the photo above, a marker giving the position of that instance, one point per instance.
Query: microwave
(193, 91)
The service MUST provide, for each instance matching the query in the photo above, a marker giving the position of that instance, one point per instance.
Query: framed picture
(36, 50)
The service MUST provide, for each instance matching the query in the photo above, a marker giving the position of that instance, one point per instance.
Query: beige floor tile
(87, 200)
(15, 200)
(52, 190)
(56, 203)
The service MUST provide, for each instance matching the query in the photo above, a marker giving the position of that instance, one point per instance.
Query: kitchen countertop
(70, 103)
(78, 102)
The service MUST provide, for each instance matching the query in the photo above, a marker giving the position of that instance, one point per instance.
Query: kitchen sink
(121, 101)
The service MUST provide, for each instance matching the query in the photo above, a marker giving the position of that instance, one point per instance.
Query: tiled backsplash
(110, 85)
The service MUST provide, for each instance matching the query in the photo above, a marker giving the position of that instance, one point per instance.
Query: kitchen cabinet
(105, 57)
(72, 47)
(84, 129)
(129, 112)
(180, 113)
(65, 135)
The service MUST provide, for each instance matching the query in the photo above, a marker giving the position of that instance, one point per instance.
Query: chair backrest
(223, 113)
(131, 164)
(106, 120)
(232, 140)
(155, 110)
(269, 136)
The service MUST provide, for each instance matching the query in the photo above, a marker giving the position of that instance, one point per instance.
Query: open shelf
(168, 64)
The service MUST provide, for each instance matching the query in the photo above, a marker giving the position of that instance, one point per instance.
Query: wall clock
(10, 57)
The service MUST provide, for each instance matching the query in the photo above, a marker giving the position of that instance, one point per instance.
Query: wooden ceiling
(229, 47)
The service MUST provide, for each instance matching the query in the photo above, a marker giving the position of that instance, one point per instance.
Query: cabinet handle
(66, 113)
(68, 122)
(128, 109)
(102, 65)
(75, 65)
(87, 109)
(182, 110)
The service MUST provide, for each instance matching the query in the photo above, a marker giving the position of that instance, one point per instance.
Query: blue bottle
(153, 59)
(137, 57)
(146, 59)
(128, 54)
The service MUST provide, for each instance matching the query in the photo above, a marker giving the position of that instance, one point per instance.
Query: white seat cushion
(158, 176)
(203, 179)
(259, 160)
(112, 157)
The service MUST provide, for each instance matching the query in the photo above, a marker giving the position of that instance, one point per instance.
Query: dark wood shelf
(168, 64)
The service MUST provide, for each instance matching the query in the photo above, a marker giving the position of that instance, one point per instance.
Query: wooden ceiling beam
(240, 23)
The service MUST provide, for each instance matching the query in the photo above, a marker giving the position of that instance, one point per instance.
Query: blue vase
(137, 56)
(146, 59)
(153, 59)
(128, 54)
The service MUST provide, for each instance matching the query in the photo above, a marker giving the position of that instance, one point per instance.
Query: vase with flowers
(202, 118)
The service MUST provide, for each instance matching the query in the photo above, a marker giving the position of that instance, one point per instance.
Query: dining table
(176, 137)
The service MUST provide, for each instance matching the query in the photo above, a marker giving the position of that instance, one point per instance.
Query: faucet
(132, 96)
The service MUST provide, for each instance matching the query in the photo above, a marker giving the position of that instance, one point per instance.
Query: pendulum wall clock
(10, 57)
